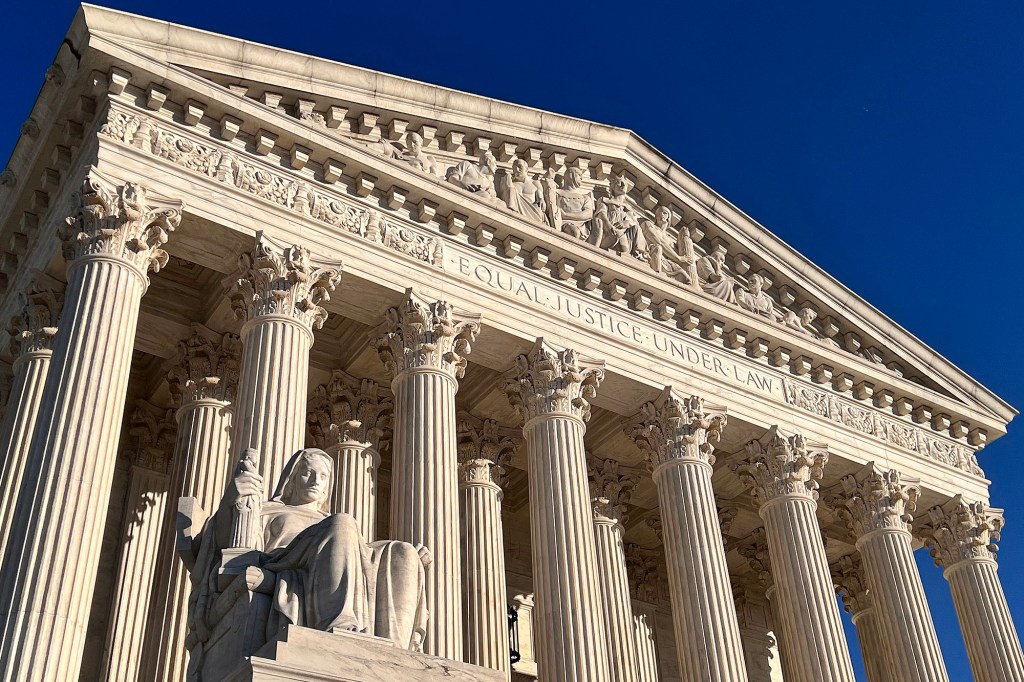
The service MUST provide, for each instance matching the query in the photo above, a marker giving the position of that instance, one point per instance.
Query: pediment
(585, 202)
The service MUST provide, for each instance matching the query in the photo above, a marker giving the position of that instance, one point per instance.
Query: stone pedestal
(783, 476)
(304, 655)
(676, 434)
(32, 334)
(203, 385)
(610, 490)
(484, 448)
(277, 291)
(962, 538)
(49, 569)
(877, 505)
(850, 581)
(423, 346)
(349, 418)
(550, 391)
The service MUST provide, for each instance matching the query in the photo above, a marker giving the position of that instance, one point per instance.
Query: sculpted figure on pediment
(617, 223)
(413, 153)
(802, 322)
(314, 568)
(521, 193)
(754, 298)
(570, 207)
(477, 178)
(665, 254)
(715, 278)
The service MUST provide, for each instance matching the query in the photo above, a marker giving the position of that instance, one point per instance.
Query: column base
(301, 654)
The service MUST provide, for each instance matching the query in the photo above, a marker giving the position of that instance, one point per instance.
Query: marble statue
(477, 178)
(412, 155)
(802, 323)
(521, 193)
(665, 254)
(714, 278)
(617, 223)
(755, 299)
(315, 567)
(570, 208)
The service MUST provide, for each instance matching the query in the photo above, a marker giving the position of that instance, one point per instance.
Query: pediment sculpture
(261, 565)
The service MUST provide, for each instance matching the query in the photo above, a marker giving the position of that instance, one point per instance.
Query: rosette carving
(848, 576)
(677, 428)
(545, 381)
(611, 486)
(418, 334)
(485, 449)
(36, 326)
(207, 368)
(960, 530)
(786, 467)
(123, 221)
(873, 499)
(347, 409)
(275, 280)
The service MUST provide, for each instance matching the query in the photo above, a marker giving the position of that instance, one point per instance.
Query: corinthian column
(49, 570)
(203, 387)
(876, 506)
(676, 434)
(32, 334)
(642, 569)
(348, 418)
(754, 549)
(424, 347)
(277, 291)
(848, 575)
(610, 490)
(551, 391)
(962, 537)
(784, 478)
(484, 449)
(154, 430)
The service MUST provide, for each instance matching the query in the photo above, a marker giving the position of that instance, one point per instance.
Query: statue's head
(488, 161)
(519, 169)
(663, 216)
(756, 284)
(308, 478)
(573, 178)
(414, 142)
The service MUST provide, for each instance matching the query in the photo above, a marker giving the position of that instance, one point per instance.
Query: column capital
(34, 328)
(784, 468)
(429, 335)
(485, 449)
(347, 409)
(125, 221)
(959, 530)
(674, 428)
(153, 430)
(207, 367)
(545, 381)
(874, 499)
(611, 486)
(851, 583)
(282, 280)
(755, 550)
(644, 576)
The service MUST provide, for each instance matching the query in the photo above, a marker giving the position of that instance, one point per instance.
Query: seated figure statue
(310, 568)
(477, 178)
(616, 222)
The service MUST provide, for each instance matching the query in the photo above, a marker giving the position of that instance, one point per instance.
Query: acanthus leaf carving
(611, 486)
(153, 430)
(677, 428)
(272, 280)
(35, 327)
(851, 584)
(785, 467)
(348, 409)
(644, 576)
(961, 530)
(485, 449)
(755, 550)
(207, 368)
(545, 381)
(418, 334)
(875, 499)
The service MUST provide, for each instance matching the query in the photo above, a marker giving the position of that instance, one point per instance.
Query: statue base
(301, 654)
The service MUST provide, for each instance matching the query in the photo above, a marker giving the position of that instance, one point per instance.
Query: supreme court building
(629, 434)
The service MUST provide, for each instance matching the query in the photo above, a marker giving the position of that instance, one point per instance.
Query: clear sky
(883, 140)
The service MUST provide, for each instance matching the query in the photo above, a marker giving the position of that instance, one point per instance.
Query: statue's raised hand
(246, 482)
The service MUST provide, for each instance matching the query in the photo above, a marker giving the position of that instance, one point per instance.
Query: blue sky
(882, 140)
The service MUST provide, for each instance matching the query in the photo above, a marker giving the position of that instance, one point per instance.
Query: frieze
(900, 434)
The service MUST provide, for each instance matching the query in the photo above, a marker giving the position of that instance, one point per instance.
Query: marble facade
(535, 357)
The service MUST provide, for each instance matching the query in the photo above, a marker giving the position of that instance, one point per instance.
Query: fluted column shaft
(571, 638)
(907, 628)
(200, 468)
(993, 646)
(646, 635)
(273, 382)
(355, 485)
(876, 666)
(618, 609)
(485, 611)
(23, 407)
(147, 500)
